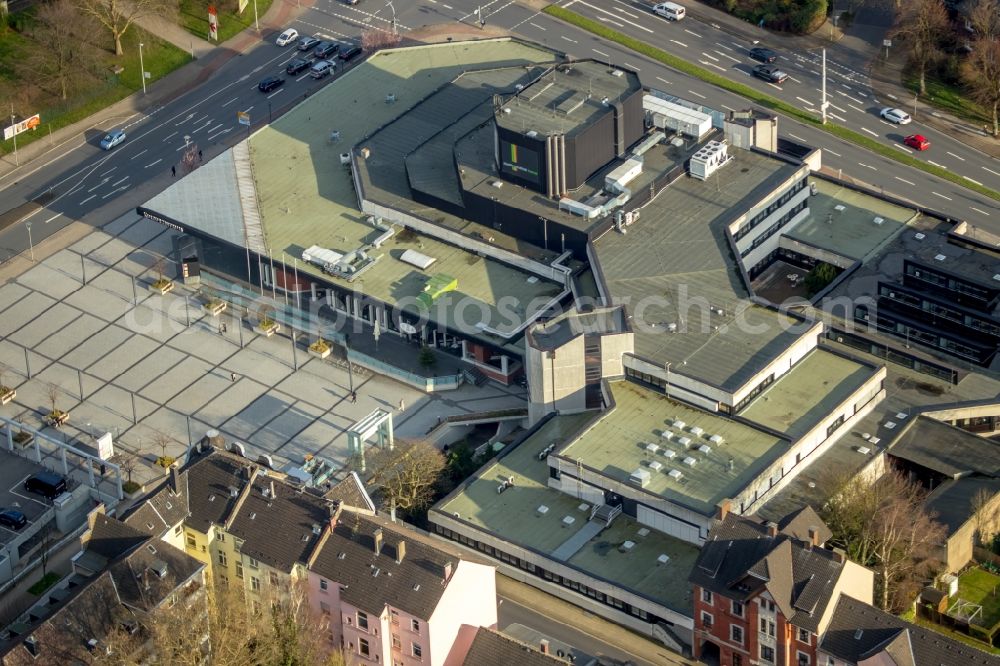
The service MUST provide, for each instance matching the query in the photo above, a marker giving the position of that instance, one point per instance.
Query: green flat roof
(514, 516)
(307, 197)
(616, 446)
(850, 230)
(801, 397)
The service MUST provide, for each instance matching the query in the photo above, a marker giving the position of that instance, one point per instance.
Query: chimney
(447, 571)
(723, 509)
(839, 555)
(377, 535)
(400, 551)
(814, 535)
(175, 479)
(544, 646)
(772, 528)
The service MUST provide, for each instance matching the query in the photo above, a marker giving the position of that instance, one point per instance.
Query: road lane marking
(660, 78)
(679, 43)
(119, 182)
(712, 64)
(697, 94)
(154, 163)
(230, 102)
(957, 157)
(101, 175)
(726, 55)
(139, 153)
(692, 33)
(856, 108)
(981, 212)
(941, 195)
(903, 180)
(992, 171)
(604, 11)
(792, 78)
(568, 39)
(940, 166)
(867, 166)
(52, 218)
(270, 96)
(804, 101)
(88, 199)
(797, 138)
(225, 131)
(631, 66)
(710, 57)
(865, 129)
(973, 181)
(171, 136)
(607, 20)
(600, 53)
(723, 46)
(215, 128)
(99, 184)
(833, 153)
(536, 25)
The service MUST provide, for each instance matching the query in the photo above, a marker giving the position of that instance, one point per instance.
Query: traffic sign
(243, 117)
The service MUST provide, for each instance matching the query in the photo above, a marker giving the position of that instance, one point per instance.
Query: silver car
(897, 116)
(112, 139)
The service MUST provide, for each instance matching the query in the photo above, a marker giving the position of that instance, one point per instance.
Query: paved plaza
(162, 365)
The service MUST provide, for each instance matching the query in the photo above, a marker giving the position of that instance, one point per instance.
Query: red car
(917, 142)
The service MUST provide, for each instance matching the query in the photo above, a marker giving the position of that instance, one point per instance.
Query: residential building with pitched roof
(860, 635)
(394, 596)
(491, 648)
(120, 577)
(765, 594)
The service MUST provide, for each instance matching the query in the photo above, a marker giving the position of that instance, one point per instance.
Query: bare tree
(379, 38)
(117, 16)
(981, 72)
(128, 462)
(983, 17)
(162, 441)
(52, 392)
(921, 24)
(984, 515)
(884, 525)
(65, 58)
(405, 476)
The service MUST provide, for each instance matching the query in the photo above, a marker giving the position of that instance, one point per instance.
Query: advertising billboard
(11, 131)
(213, 23)
(520, 161)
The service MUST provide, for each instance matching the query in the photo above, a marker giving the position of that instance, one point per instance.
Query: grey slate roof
(858, 632)
(946, 449)
(740, 560)
(798, 523)
(279, 531)
(161, 508)
(351, 492)
(491, 648)
(209, 480)
(371, 581)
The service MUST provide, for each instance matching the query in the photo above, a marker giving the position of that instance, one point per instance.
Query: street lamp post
(256, 22)
(823, 103)
(14, 131)
(31, 246)
(393, 8)
(142, 70)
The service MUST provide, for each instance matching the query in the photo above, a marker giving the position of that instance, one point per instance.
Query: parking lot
(136, 364)
(13, 471)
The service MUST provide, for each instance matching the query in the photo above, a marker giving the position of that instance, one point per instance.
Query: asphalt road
(852, 103)
(89, 184)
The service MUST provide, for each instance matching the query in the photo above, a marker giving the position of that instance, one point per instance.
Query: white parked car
(670, 11)
(287, 37)
(897, 116)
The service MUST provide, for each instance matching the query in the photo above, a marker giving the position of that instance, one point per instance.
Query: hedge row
(763, 99)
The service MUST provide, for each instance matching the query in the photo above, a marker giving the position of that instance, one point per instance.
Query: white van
(670, 11)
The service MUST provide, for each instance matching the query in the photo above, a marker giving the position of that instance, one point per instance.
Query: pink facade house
(395, 598)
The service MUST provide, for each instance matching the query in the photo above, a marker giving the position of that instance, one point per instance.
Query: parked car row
(318, 56)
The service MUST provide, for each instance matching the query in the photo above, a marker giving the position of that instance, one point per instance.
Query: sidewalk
(209, 59)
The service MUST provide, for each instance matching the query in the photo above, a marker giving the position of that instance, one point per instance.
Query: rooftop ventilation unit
(697, 431)
(656, 465)
(709, 159)
(676, 474)
(321, 257)
(879, 221)
(684, 441)
(919, 236)
(662, 559)
(939, 257)
(690, 461)
(390, 98)
(679, 424)
(705, 448)
(716, 439)
(626, 546)
(418, 259)
(677, 118)
(666, 434)
(652, 448)
(667, 453)
(639, 477)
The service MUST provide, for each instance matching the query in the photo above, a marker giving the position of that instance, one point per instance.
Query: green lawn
(44, 583)
(980, 587)
(159, 59)
(948, 98)
(194, 17)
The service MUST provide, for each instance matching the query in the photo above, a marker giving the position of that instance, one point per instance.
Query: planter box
(25, 439)
(270, 329)
(162, 286)
(57, 418)
(215, 308)
(320, 352)
(6, 395)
